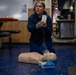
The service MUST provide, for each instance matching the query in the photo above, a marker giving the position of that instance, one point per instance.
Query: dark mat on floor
(71, 70)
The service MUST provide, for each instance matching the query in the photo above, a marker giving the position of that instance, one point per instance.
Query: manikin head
(49, 56)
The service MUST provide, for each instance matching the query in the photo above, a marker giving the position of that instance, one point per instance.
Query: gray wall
(17, 8)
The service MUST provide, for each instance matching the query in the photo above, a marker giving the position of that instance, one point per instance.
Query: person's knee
(52, 50)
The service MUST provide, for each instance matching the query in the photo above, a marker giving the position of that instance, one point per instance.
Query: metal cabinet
(66, 28)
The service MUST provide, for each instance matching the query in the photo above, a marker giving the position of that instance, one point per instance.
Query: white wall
(14, 8)
(30, 3)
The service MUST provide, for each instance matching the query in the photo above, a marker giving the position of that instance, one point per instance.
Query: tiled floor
(9, 64)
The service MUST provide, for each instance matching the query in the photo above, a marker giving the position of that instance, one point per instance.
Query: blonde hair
(42, 3)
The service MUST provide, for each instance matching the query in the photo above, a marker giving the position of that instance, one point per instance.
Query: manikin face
(39, 9)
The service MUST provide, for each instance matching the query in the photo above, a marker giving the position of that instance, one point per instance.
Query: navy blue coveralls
(40, 38)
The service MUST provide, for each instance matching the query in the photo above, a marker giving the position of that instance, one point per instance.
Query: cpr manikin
(34, 57)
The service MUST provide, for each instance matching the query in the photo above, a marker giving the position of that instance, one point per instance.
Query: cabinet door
(75, 20)
(67, 30)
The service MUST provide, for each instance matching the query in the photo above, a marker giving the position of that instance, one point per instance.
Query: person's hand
(44, 25)
(40, 24)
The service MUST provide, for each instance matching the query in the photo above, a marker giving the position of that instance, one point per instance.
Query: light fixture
(16, 16)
